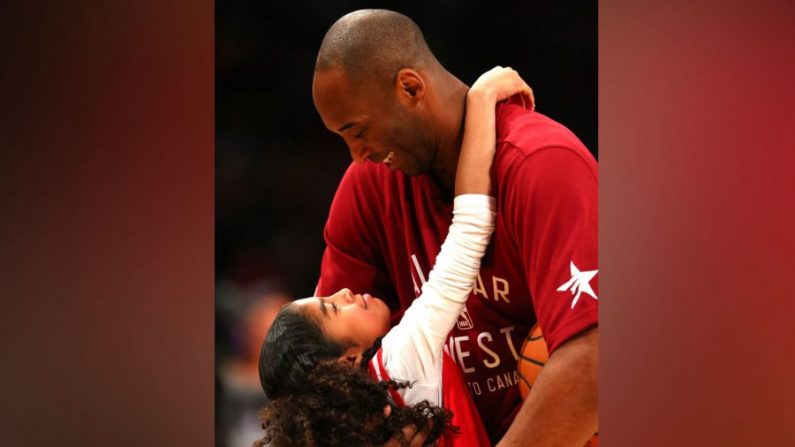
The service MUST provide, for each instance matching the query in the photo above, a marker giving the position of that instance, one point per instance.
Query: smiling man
(401, 113)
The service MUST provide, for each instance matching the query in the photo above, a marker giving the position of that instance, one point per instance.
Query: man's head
(374, 85)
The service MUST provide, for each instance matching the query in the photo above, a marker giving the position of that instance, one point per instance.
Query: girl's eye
(360, 134)
(334, 306)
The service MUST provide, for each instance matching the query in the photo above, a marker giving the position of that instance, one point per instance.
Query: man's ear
(409, 86)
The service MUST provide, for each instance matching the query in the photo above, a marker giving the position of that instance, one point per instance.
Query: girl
(312, 364)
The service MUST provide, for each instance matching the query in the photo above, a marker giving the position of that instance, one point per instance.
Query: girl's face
(350, 318)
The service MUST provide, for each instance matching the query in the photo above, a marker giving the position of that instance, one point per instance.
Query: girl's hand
(501, 83)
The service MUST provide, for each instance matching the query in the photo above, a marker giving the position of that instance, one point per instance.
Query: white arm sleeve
(413, 348)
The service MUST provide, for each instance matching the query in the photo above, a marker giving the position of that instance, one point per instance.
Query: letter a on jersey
(579, 282)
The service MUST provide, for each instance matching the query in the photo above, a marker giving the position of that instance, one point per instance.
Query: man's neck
(449, 134)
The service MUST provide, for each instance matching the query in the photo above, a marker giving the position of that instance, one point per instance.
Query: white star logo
(579, 282)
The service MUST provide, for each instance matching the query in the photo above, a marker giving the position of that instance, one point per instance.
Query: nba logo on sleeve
(464, 321)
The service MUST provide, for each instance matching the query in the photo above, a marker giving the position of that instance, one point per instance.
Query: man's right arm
(352, 257)
(550, 202)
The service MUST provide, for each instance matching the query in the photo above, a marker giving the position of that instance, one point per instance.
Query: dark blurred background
(277, 167)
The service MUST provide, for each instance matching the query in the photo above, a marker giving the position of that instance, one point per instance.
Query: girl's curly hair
(343, 405)
(316, 400)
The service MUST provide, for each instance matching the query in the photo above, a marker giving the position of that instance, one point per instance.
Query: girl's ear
(353, 356)
(387, 411)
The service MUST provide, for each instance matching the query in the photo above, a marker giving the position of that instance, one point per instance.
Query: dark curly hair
(294, 345)
(315, 400)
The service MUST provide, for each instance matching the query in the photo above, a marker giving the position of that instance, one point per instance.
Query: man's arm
(550, 202)
(561, 409)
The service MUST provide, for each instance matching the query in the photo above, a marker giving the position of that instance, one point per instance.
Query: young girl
(313, 359)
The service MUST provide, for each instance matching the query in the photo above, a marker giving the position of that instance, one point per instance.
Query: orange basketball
(533, 357)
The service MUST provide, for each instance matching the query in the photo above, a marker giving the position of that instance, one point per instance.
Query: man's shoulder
(522, 134)
(527, 132)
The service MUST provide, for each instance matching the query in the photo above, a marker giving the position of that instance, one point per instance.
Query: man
(378, 85)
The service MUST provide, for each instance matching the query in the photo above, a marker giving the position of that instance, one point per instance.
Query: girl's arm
(479, 141)
(413, 349)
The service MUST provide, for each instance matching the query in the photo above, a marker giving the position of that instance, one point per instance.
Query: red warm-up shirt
(385, 229)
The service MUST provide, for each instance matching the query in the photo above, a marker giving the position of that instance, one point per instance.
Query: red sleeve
(551, 206)
(353, 254)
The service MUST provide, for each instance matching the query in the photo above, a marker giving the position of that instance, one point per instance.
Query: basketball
(532, 358)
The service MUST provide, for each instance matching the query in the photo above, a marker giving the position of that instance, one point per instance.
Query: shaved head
(378, 86)
(372, 45)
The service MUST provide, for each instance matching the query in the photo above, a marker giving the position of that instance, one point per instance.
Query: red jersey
(454, 398)
(385, 229)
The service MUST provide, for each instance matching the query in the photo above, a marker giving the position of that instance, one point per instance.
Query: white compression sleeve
(413, 348)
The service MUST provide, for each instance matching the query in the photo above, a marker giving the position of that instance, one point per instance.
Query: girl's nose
(344, 296)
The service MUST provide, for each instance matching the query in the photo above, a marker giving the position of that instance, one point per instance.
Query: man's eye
(360, 133)
(334, 306)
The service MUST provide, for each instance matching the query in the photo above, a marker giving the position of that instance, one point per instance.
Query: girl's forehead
(315, 308)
